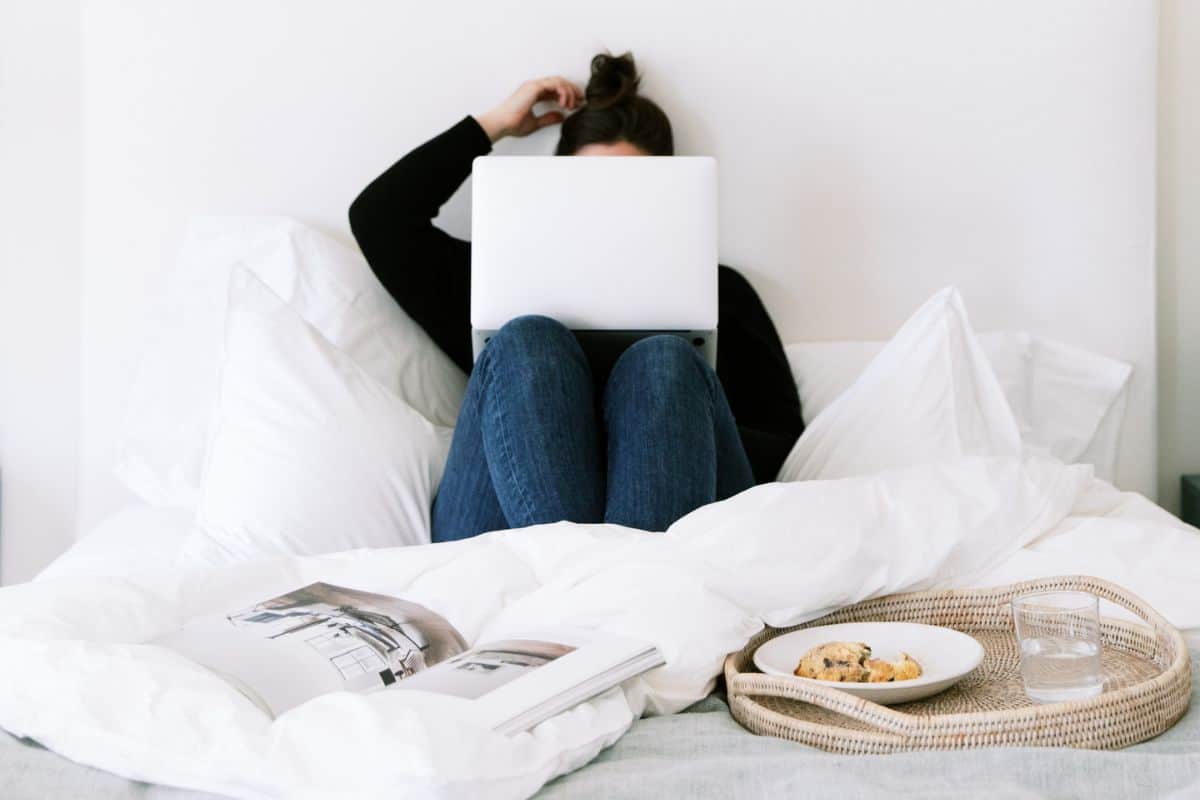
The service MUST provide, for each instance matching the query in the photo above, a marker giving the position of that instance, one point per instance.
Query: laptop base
(604, 347)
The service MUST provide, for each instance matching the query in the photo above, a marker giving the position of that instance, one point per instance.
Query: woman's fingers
(547, 92)
(554, 87)
(552, 90)
(549, 118)
(574, 94)
(566, 93)
(515, 116)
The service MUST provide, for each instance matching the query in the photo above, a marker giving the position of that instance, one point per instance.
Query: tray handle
(1097, 586)
(835, 700)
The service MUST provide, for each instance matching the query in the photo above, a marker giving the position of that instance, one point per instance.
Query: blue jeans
(535, 442)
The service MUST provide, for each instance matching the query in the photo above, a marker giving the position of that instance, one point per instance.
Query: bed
(987, 474)
(703, 753)
(1021, 179)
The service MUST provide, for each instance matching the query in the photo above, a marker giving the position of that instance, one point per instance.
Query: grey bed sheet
(704, 753)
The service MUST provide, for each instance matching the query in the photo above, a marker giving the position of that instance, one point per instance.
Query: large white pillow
(1067, 402)
(138, 538)
(162, 442)
(309, 453)
(929, 395)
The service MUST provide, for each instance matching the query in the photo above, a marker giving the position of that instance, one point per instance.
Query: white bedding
(139, 538)
(1067, 402)
(74, 675)
(914, 479)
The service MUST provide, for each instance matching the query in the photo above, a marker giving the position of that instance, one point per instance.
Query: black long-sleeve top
(428, 272)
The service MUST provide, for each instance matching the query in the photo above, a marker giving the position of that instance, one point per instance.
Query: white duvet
(914, 478)
(75, 676)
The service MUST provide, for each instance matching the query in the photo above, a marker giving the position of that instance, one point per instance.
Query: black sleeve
(426, 270)
(756, 377)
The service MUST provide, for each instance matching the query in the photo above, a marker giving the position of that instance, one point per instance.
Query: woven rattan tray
(1147, 682)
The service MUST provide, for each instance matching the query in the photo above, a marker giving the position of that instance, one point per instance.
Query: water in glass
(1059, 638)
(1056, 669)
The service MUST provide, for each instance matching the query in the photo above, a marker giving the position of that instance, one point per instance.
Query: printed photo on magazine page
(358, 633)
(316, 639)
(476, 672)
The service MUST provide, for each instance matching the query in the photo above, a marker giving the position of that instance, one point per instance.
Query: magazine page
(321, 638)
(483, 669)
(535, 674)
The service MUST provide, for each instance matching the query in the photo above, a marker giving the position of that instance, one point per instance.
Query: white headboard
(870, 152)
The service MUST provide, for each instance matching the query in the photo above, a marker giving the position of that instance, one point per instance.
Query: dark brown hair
(615, 112)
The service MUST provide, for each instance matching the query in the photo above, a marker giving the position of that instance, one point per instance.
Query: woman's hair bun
(615, 112)
(613, 79)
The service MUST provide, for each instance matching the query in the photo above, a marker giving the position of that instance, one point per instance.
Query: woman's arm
(427, 271)
(756, 377)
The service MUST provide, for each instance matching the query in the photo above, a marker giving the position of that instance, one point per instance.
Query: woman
(543, 434)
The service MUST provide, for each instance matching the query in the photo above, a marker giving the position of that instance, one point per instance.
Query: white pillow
(162, 442)
(929, 395)
(139, 538)
(823, 370)
(1067, 402)
(310, 454)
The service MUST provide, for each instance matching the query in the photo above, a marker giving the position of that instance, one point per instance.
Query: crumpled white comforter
(75, 675)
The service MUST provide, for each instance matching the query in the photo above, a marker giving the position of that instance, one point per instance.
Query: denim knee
(532, 325)
(662, 365)
(531, 337)
(665, 352)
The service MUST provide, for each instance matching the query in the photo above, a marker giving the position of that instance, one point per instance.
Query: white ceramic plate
(945, 656)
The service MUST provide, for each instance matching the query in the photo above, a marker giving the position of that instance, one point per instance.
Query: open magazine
(323, 638)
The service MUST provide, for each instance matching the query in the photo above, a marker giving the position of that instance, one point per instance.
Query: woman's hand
(515, 117)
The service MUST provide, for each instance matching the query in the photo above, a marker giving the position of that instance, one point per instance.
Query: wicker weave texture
(1147, 682)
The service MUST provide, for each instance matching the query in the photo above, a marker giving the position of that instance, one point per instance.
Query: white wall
(870, 152)
(40, 141)
(1179, 245)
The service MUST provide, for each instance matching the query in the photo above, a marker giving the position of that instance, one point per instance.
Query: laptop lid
(616, 243)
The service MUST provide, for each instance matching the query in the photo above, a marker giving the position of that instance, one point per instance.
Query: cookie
(880, 671)
(907, 668)
(835, 661)
(851, 662)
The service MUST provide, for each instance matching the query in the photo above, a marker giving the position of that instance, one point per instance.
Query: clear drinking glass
(1059, 637)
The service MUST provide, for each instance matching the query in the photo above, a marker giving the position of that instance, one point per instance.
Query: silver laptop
(614, 247)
